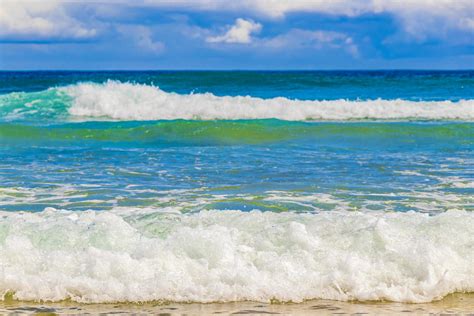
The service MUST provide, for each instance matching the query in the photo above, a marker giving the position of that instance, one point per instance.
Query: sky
(245, 34)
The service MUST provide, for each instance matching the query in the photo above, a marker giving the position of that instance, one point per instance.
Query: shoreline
(451, 304)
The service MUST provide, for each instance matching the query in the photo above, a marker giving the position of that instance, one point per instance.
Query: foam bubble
(145, 254)
(126, 101)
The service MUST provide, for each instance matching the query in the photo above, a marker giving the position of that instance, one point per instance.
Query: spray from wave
(126, 101)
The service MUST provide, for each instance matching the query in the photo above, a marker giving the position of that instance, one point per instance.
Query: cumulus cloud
(39, 20)
(293, 39)
(418, 18)
(415, 15)
(240, 32)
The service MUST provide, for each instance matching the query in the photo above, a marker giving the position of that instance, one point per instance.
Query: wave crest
(126, 101)
(115, 100)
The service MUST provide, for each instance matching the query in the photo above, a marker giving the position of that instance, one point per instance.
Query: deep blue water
(306, 85)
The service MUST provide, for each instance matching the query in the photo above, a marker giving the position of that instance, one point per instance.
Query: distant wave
(114, 100)
(136, 255)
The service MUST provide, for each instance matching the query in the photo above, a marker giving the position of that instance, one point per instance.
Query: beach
(451, 305)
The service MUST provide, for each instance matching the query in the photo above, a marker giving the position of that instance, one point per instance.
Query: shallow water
(451, 305)
(203, 187)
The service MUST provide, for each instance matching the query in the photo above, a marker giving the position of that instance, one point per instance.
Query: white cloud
(23, 19)
(312, 39)
(142, 37)
(293, 39)
(240, 32)
(415, 15)
(43, 19)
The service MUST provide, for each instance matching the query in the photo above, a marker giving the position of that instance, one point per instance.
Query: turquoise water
(280, 176)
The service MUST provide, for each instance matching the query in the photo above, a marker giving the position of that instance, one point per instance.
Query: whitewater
(141, 255)
(127, 101)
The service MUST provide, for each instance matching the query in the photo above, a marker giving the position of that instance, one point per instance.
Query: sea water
(230, 186)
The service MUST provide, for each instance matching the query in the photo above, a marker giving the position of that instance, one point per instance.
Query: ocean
(200, 187)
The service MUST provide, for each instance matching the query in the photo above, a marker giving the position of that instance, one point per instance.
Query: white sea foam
(141, 255)
(126, 101)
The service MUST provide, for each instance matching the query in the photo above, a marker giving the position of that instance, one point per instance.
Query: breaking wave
(134, 255)
(114, 100)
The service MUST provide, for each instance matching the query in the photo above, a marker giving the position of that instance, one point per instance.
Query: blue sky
(246, 34)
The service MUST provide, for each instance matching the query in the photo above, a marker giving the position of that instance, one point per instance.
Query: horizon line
(237, 70)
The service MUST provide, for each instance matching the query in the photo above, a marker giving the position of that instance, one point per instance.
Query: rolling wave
(114, 100)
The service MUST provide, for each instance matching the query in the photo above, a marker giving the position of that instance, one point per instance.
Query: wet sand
(452, 304)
